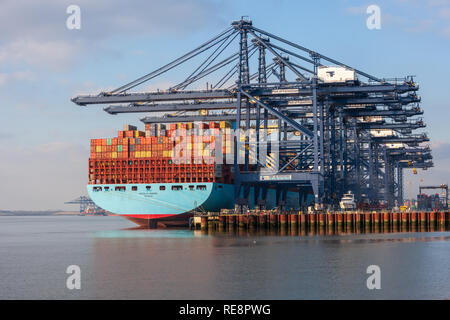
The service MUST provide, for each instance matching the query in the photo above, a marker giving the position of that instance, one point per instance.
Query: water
(120, 262)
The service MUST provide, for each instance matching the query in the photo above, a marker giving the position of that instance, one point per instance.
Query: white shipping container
(336, 74)
(394, 145)
(383, 133)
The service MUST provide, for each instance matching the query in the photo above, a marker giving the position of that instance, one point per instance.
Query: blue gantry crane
(340, 128)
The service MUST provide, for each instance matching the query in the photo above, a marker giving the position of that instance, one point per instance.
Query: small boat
(348, 201)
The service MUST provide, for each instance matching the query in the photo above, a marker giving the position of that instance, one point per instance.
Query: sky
(44, 137)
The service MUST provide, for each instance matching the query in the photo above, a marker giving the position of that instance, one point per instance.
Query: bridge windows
(134, 188)
(162, 188)
(177, 188)
(201, 187)
(121, 188)
(96, 189)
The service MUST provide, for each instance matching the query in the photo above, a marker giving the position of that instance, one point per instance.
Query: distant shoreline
(10, 213)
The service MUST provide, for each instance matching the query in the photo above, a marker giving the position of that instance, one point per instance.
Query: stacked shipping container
(174, 153)
(430, 202)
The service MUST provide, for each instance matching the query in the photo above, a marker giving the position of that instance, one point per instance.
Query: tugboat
(348, 201)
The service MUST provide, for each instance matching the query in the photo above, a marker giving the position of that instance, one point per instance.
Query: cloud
(356, 10)
(3, 78)
(104, 18)
(5, 135)
(393, 20)
(54, 55)
(440, 150)
(446, 32)
(421, 26)
(436, 175)
(437, 3)
(386, 17)
(35, 32)
(444, 13)
(7, 78)
(432, 16)
(88, 87)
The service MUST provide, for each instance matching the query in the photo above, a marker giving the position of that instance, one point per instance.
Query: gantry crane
(334, 136)
(85, 204)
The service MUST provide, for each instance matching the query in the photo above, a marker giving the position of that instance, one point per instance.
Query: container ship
(162, 175)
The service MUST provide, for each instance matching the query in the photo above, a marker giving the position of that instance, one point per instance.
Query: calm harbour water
(120, 262)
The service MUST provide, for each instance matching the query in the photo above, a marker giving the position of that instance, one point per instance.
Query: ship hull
(162, 221)
(171, 204)
(168, 204)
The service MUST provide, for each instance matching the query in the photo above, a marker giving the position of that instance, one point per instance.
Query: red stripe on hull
(147, 216)
(160, 220)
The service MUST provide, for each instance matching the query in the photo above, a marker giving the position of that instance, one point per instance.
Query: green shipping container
(108, 142)
(119, 148)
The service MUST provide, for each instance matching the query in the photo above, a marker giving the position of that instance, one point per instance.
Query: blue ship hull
(160, 201)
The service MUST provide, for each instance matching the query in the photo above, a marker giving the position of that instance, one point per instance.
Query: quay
(330, 222)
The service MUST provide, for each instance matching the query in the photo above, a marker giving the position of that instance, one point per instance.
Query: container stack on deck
(162, 154)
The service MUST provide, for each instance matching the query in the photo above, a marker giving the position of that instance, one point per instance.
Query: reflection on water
(147, 233)
(119, 261)
(140, 232)
(334, 236)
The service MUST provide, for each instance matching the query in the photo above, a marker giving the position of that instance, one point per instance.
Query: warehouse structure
(339, 129)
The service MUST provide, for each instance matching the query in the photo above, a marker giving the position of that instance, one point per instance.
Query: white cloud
(7, 78)
(6, 135)
(437, 3)
(440, 150)
(35, 33)
(444, 13)
(3, 78)
(47, 54)
(446, 32)
(432, 16)
(421, 26)
(357, 10)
